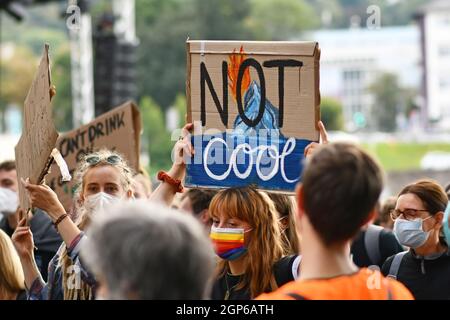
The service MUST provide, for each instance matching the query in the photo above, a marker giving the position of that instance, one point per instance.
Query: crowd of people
(123, 240)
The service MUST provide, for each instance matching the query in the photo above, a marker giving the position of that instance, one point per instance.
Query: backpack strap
(295, 265)
(395, 265)
(295, 296)
(372, 243)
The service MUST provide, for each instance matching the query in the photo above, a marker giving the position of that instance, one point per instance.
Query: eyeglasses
(408, 214)
(113, 159)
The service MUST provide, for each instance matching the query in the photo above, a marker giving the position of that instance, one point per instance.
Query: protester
(373, 245)
(419, 218)
(141, 250)
(447, 191)
(102, 178)
(339, 190)
(196, 202)
(246, 236)
(171, 181)
(8, 190)
(446, 224)
(384, 218)
(286, 216)
(9, 201)
(46, 239)
(11, 274)
(142, 185)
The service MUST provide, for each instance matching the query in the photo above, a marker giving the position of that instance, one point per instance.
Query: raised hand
(310, 148)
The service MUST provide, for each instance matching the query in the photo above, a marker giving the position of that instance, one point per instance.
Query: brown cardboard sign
(33, 151)
(118, 129)
(258, 104)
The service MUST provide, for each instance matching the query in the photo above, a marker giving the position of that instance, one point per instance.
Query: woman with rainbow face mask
(247, 239)
(103, 178)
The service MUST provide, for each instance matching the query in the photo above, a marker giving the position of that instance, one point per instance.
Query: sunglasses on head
(93, 160)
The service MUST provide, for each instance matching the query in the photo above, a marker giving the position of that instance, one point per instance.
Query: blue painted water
(220, 156)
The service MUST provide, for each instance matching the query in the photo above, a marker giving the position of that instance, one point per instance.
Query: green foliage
(403, 156)
(155, 140)
(17, 73)
(180, 105)
(164, 26)
(61, 78)
(331, 114)
(280, 19)
(388, 96)
(396, 13)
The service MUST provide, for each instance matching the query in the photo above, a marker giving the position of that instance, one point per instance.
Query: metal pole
(82, 70)
(125, 25)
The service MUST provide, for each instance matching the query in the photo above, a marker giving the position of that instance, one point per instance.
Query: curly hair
(84, 217)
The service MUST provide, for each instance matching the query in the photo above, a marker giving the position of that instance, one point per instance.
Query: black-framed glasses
(408, 214)
(113, 159)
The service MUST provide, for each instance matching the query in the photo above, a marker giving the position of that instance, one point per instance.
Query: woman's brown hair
(431, 194)
(265, 247)
(286, 209)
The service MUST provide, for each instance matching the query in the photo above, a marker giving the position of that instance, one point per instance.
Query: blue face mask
(446, 227)
(410, 233)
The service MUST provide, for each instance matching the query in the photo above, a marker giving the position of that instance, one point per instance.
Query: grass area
(403, 156)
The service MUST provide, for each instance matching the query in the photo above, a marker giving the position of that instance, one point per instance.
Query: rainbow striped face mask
(228, 242)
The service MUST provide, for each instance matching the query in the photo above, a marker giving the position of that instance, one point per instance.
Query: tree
(164, 26)
(399, 12)
(330, 12)
(17, 73)
(388, 96)
(280, 19)
(155, 139)
(331, 114)
(181, 107)
(61, 78)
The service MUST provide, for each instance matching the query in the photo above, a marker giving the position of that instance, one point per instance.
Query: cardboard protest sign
(118, 129)
(255, 107)
(33, 151)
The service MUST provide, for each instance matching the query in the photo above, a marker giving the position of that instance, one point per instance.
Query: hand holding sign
(43, 197)
(310, 148)
(258, 104)
(22, 239)
(183, 148)
(181, 152)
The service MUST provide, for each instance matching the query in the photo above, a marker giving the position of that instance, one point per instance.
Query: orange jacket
(363, 285)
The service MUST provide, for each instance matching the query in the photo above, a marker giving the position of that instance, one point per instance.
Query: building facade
(353, 59)
(434, 22)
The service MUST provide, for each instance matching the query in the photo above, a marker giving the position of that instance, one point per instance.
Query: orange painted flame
(235, 61)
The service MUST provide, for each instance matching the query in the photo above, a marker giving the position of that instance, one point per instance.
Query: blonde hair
(265, 247)
(12, 280)
(84, 217)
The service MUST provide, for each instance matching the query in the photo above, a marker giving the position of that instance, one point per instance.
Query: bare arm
(165, 192)
(43, 197)
(23, 242)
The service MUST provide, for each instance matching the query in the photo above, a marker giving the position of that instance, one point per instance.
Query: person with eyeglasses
(103, 178)
(340, 187)
(418, 224)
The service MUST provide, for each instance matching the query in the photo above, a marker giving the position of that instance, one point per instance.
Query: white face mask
(9, 201)
(410, 233)
(99, 201)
